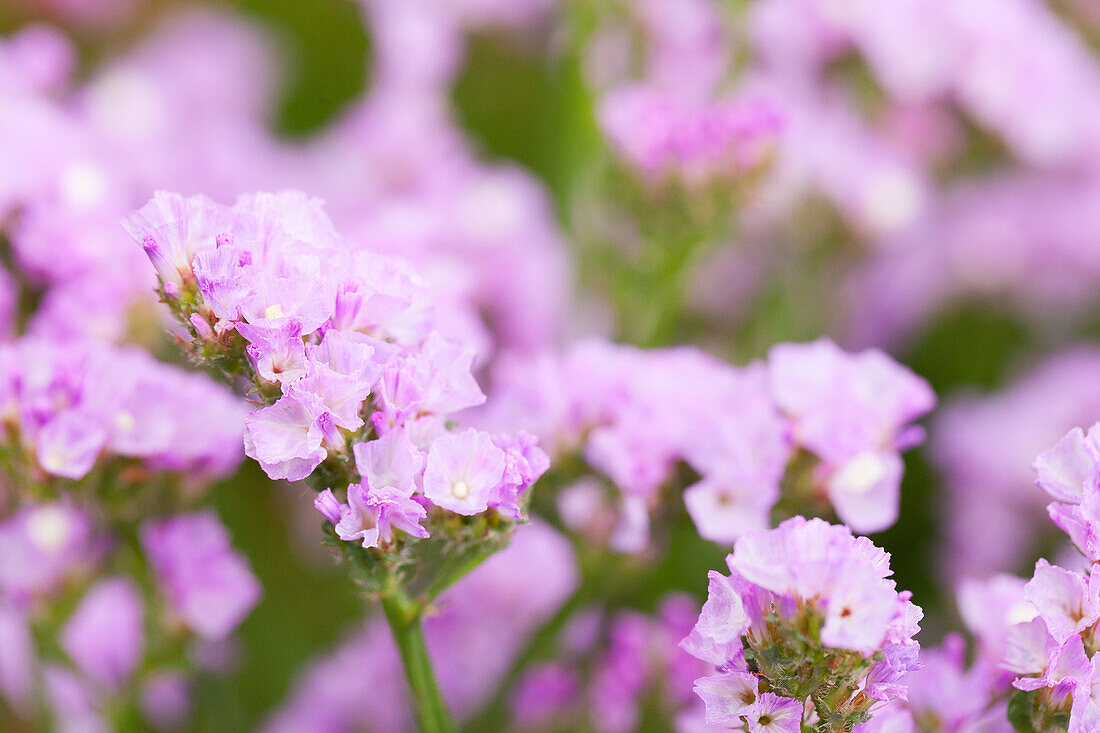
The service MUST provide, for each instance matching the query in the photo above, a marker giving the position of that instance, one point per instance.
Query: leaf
(1020, 708)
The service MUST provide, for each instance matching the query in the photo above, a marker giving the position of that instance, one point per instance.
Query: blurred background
(923, 179)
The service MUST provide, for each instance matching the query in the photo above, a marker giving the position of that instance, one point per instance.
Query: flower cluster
(635, 414)
(957, 689)
(340, 345)
(67, 406)
(852, 412)
(807, 627)
(1055, 653)
(977, 444)
(116, 645)
(99, 443)
(611, 669)
(659, 133)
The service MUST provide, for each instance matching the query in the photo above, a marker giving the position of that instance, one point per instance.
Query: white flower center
(460, 490)
(49, 528)
(1020, 613)
(862, 473)
(273, 311)
(124, 421)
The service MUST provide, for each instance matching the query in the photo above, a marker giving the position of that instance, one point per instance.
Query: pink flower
(286, 438)
(463, 470)
(774, 714)
(1068, 602)
(207, 583)
(373, 513)
(105, 636)
(391, 460)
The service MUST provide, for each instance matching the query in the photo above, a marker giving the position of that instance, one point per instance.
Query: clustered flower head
(959, 688)
(634, 415)
(340, 347)
(1054, 654)
(104, 569)
(69, 579)
(66, 405)
(612, 669)
(663, 134)
(853, 413)
(807, 628)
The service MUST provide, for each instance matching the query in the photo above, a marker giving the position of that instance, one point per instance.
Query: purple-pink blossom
(207, 584)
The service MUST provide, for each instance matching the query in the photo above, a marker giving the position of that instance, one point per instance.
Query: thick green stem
(403, 616)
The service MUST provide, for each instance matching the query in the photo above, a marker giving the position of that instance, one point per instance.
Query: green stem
(403, 616)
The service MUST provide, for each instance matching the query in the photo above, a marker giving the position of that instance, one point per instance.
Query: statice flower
(73, 404)
(853, 413)
(635, 415)
(1070, 473)
(628, 665)
(807, 627)
(207, 584)
(61, 591)
(1054, 654)
(983, 445)
(662, 134)
(355, 383)
(42, 546)
(105, 636)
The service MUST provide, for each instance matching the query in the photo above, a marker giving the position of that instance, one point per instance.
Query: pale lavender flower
(173, 229)
(728, 696)
(853, 411)
(1069, 470)
(725, 508)
(207, 584)
(287, 438)
(1068, 602)
(166, 699)
(69, 444)
(42, 545)
(803, 569)
(276, 300)
(463, 471)
(351, 354)
(341, 395)
(105, 636)
(544, 694)
(278, 354)
(219, 274)
(373, 513)
(391, 460)
(774, 714)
